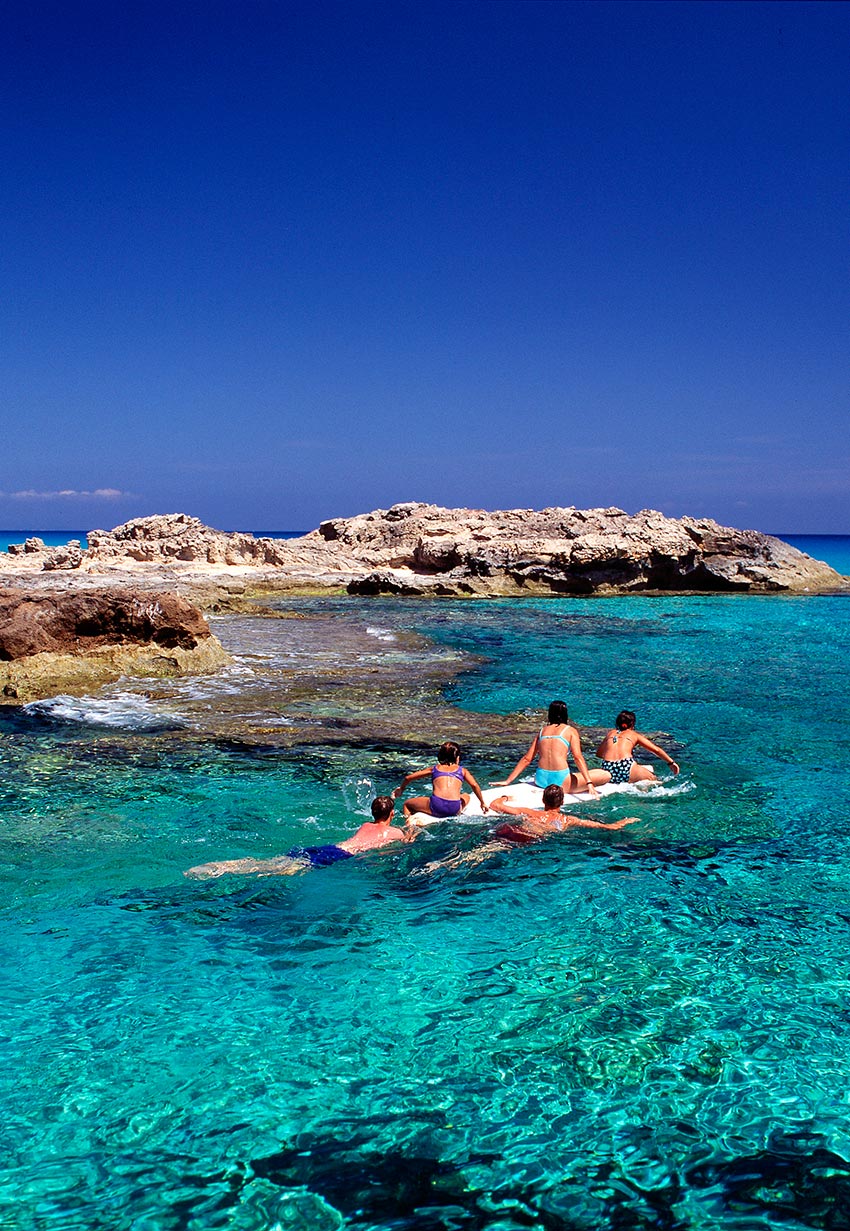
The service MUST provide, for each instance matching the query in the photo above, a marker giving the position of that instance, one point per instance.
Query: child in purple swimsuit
(448, 775)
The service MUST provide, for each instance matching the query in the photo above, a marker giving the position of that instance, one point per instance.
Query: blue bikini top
(565, 742)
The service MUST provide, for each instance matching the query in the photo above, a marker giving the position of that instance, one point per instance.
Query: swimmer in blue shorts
(374, 833)
(552, 747)
(448, 776)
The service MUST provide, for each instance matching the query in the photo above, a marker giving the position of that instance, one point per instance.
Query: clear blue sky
(267, 263)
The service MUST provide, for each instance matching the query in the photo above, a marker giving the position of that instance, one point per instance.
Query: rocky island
(422, 549)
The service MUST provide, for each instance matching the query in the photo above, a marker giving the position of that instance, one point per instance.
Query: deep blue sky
(267, 263)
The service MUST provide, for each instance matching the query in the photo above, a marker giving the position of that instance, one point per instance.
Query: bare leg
(419, 803)
(464, 800)
(281, 866)
(576, 784)
(465, 857)
(641, 773)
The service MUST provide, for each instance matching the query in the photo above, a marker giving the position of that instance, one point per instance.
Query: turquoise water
(641, 1029)
(50, 538)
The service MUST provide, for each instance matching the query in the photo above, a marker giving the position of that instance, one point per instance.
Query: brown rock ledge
(75, 641)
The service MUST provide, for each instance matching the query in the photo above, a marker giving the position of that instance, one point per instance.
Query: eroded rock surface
(73, 641)
(422, 549)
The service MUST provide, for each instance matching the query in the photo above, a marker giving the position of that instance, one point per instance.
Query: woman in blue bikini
(552, 746)
(616, 753)
(448, 775)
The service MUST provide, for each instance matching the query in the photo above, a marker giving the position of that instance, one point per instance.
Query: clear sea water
(643, 1029)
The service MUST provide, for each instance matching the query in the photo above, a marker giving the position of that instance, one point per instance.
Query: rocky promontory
(72, 642)
(422, 549)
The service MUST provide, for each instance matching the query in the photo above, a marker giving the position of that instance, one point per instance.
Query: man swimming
(371, 834)
(531, 824)
(537, 822)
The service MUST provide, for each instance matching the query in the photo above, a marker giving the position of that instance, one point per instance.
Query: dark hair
(625, 720)
(558, 712)
(553, 796)
(382, 808)
(448, 753)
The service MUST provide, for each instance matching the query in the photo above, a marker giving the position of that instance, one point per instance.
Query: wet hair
(448, 753)
(553, 796)
(382, 808)
(558, 712)
(625, 720)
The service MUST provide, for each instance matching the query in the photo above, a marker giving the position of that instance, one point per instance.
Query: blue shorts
(550, 777)
(319, 856)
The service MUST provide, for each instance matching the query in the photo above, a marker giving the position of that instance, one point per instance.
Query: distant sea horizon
(833, 549)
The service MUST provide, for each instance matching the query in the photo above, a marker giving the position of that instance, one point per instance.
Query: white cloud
(100, 493)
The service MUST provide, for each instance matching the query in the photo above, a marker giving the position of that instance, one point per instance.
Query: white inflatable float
(525, 794)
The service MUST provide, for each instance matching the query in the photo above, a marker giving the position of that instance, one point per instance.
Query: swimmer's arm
(411, 777)
(586, 824)
(499, 805)
(521, 764)
(467, 777)
(659, 752)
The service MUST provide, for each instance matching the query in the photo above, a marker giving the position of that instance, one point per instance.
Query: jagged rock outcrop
(177, 537)
(73, 641)
(422, 549)
(427, 549)
(68, 557)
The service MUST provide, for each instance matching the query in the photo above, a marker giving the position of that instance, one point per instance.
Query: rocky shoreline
(74, 642)
(424, 550)
(72, 618)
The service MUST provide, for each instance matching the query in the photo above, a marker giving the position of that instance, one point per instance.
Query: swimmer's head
(558, 712)
(625, 720)
(553, 796)
(448, 753)
(382, 808)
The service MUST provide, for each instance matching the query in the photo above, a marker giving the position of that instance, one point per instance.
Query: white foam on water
(123, 711)
(358, 794)
(382, 634)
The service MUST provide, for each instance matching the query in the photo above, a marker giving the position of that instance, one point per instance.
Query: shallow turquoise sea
(642, 1029)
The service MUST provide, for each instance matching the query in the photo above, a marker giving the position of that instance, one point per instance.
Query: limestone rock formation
(422, 549)
(179, 538)
(73, 641)
(427, 549)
